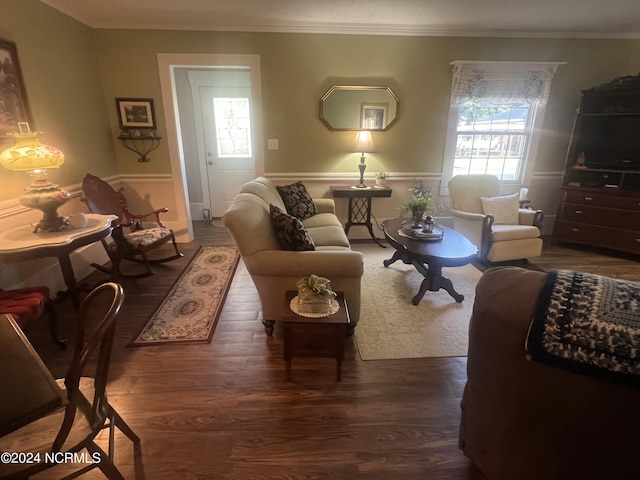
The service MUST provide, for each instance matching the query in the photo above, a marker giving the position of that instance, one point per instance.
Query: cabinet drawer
(611, 201)
(608, 217)
(598, 236)
(317, 340)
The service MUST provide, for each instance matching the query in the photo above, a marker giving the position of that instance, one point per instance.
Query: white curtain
(502, 82)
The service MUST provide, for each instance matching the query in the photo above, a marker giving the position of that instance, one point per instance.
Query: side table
(21, 243)
(360, 205)
(315, 337)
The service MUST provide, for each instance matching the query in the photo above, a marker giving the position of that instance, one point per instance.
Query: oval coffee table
(429, 256)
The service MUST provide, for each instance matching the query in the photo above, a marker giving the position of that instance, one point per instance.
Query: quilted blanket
(588, 324)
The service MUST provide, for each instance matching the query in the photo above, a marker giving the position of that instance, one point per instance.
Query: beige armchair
(497, 241)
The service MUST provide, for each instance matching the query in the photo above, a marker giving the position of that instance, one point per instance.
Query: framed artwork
(136, 113)
(14, 108)
(373, 116)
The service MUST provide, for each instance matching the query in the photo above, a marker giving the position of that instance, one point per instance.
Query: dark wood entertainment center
(601, 183)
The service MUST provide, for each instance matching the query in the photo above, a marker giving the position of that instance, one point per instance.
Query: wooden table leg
(434, 281)
(397, 255)
(69, 280)
(360, 214)
(340, 337)
(446, 284)
(288, 348)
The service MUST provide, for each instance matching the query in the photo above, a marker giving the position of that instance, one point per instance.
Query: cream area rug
(190, 311)
(391, 326)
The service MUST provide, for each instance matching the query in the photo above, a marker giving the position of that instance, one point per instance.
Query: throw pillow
(297, 200)
(290, 232)
(504, 208)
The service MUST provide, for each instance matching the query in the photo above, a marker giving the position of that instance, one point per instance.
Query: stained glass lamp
(30, 155)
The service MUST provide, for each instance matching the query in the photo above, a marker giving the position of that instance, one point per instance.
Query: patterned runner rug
(190, 311)
(392, 327)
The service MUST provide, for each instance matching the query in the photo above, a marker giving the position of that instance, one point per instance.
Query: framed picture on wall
(373, 116)
(136, 113)
(14, 108)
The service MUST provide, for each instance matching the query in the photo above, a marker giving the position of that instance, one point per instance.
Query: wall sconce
(141, 142)
(30, 155)
(363, 144)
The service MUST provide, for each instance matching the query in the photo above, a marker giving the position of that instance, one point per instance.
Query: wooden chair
(73, 428)
(129, 240)
(27, 305)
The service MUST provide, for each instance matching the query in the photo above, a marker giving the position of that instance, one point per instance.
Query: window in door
(233, 127)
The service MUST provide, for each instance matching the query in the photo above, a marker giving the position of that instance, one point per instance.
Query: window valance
(502, 82)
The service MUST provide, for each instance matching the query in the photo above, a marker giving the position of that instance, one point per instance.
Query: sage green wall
(64, 90)
(73, 73)
(297, 69)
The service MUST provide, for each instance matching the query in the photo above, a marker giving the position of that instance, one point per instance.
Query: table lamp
(29, 154)
(363, 144)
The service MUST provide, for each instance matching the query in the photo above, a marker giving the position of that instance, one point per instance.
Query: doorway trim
(167, 62)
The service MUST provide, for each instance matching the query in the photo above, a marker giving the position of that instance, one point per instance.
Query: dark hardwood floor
(224, 410)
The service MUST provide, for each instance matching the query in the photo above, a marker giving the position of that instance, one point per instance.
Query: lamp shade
(364, 142)
(29, 153)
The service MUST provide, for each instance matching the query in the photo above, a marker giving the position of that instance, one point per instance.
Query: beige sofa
(274, 270)
(524, 420)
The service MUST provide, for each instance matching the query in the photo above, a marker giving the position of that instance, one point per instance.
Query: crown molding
(372, 30)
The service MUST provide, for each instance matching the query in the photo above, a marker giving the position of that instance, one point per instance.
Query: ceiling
(507, 18)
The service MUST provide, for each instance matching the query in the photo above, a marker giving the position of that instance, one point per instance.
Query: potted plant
(381, 179)
(419, 204)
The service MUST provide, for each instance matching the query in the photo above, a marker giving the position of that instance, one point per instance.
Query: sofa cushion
(297, 200)
(290, 231)
(322, 220)
(504, 208)
(329, 235)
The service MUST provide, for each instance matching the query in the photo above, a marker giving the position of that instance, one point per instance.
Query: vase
(417, 218)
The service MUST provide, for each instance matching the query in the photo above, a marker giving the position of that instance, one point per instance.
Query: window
(492, 139)
(233, 130)
(495, 116)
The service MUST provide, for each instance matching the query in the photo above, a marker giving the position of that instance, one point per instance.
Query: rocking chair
(129, 240)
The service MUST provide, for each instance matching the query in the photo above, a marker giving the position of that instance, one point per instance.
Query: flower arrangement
(420, 203)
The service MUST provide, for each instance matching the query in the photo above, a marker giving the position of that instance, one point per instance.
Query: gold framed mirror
(358, 107)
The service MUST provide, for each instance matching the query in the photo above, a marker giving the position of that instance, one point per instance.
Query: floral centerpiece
(314, 294)
(420, 203)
